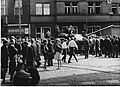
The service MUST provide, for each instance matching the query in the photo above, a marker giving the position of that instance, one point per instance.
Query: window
(46, 9)
(91, 29)
(74, 7)
(94, 7)
(38, 33)
(38, 9)
(42, 9)
(67, 8)
(90, 7)
(18, 4)
(97, 7)
(3, 7)
(114, 8)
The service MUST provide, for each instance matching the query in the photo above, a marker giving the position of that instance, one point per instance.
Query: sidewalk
(92, 71)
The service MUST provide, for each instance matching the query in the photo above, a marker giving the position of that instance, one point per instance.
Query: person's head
(45, 41)
(114, 36)
(56, 26)
(12, 41)
(5, 42)
(12, 37)
(58, 41)
(25, 44)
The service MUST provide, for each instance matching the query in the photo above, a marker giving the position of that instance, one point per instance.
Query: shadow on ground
(98, 79)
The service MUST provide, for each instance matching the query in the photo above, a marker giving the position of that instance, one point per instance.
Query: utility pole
(19, 18)
(86, 19)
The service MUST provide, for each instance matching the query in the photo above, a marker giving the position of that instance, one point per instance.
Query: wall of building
(15, 18)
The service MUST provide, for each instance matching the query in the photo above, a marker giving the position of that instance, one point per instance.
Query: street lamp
(86, 19)
(19, 18)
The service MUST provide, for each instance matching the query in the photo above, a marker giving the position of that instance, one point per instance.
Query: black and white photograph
(60, 43)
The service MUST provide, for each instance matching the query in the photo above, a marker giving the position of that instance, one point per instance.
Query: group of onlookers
(108, 45)
(18, 56)
(22, 56)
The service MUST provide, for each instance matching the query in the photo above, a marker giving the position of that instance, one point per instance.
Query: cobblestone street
(92, 71)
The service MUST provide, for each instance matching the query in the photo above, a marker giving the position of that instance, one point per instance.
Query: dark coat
(51, 50)
(34, 47)
(35, 76)
(107, 44)
(12, 65)
(4, 57)
(86, 44)
(45, 52)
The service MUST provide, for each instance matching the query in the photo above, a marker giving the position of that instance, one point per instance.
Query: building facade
(87, 15)
(4, 20)
(17, 17)
(40, 16)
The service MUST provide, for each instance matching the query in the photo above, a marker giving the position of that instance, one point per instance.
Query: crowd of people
(22, 56)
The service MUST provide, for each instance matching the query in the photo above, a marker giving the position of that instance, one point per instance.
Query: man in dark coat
(97, 47)
(28, 54)
(18, 45)
(107, 45)
(38, 50)
(86, 46)
(34, 47)
(12, 55)
(115, 47)
(51, 53)
(57, 31)
(4, 59)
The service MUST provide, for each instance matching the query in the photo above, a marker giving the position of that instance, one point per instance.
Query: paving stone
(88, 83)
(62, 84)
(113, 81)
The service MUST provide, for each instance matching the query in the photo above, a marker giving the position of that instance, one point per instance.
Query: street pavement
(94, 71)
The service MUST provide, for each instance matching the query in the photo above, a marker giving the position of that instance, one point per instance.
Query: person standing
(107, 45)
(86, 46)
(12, 55)
(45, 51)
(4, 60)
(57, 31)
(50, 52)
(64, 47)
(97, 47)
(34, 47)
(38, 58)
(72, 46)
(115, 47)
(58, 49)
(28, 54)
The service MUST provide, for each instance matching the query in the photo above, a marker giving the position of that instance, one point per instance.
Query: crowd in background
(23, 55)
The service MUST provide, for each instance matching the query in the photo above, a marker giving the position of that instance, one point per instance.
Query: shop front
(14, 30)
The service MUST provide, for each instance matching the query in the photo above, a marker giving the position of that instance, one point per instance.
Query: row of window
(70, 8)
(93, 8)
(41, 31)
